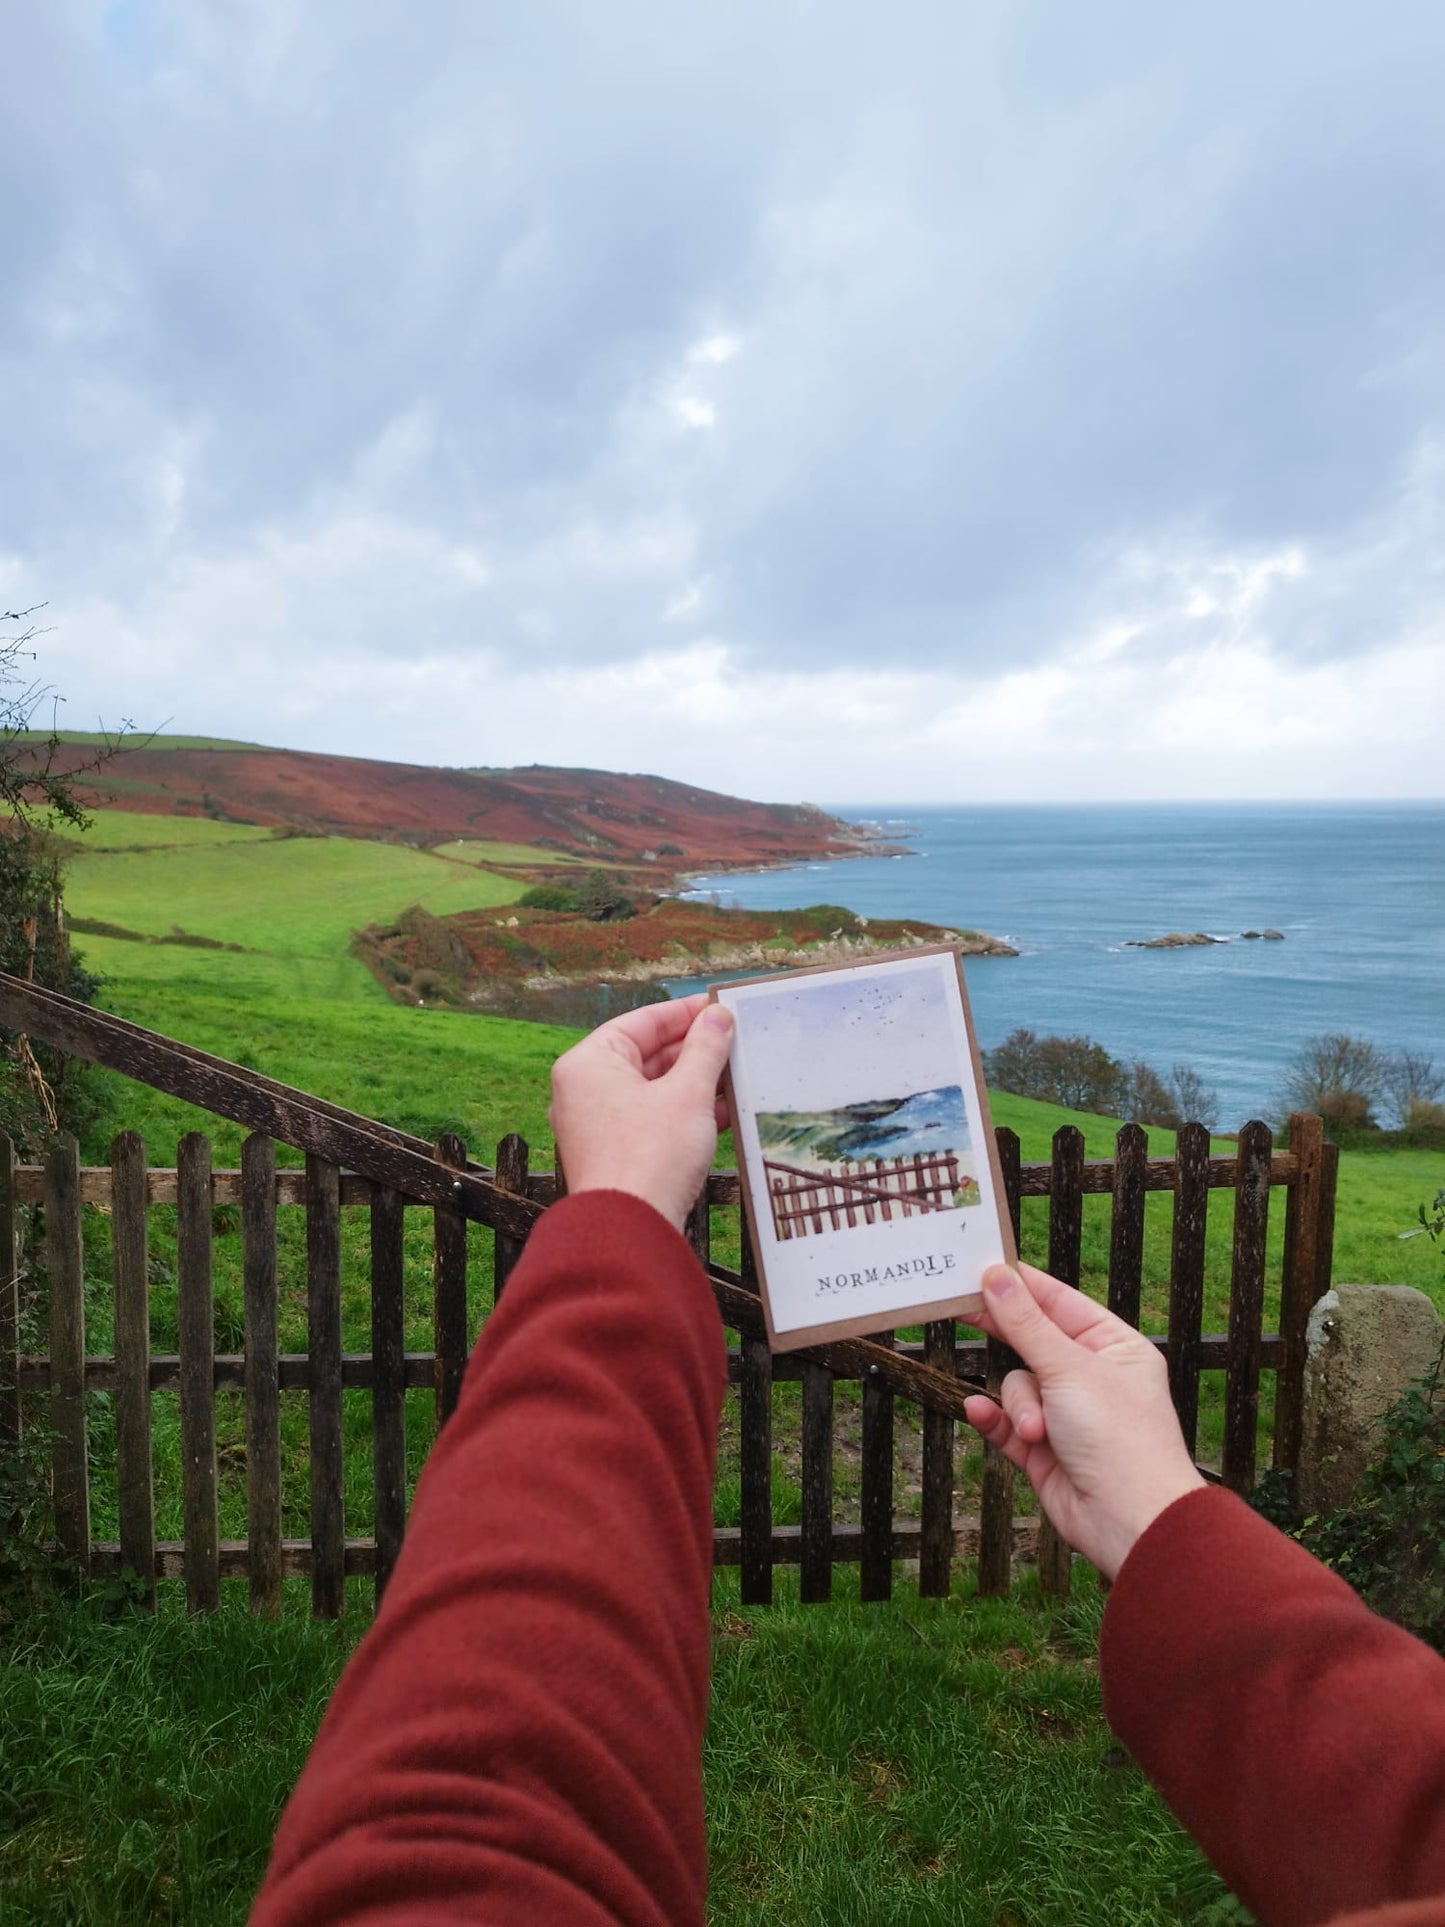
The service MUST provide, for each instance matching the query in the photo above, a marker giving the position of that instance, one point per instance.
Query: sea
(1356, 890)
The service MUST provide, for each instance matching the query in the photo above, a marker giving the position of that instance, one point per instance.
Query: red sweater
(517, 1738)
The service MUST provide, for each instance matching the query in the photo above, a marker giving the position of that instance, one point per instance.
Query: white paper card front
(863, 1139)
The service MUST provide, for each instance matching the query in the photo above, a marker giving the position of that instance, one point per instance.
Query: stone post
(1364, 1345)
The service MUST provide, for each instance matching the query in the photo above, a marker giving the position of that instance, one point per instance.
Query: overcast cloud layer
(924, 402)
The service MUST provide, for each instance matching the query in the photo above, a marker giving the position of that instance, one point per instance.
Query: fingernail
(998, 1281)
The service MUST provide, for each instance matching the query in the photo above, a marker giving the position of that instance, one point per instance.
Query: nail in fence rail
(936, 1538)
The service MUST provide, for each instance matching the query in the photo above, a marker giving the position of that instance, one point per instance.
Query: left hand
(635, 1106)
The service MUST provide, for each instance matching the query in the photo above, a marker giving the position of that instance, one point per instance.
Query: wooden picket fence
(354, 1164)
(806, 1198)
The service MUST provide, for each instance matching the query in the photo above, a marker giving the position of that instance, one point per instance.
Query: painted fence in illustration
(805, 1199)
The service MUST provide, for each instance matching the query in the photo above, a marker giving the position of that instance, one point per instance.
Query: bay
(1358, 891)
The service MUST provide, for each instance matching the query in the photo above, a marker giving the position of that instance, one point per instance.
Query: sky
(827, 1041)
(802, 398)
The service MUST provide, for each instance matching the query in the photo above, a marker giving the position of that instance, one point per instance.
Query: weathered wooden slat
(1297, 1284)
(1126, 1224)
(388, 1395)
(11, 1423)
(65, 1272)
(698, 1228)
(755, 1467)
(323, 1330)
(1246, 1307)
(134, 1481)
(1329, 1180)
(512, 1159)
(815, 1582)
(262, 1377)
(196, 1323)
(1066, 1227)
(785, 1549)
(1186, 1277)
(449, 1288)
(996, 1495)
(935, 1558)
(875, 1580)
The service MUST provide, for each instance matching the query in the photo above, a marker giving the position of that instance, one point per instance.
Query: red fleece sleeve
(517, 1739)
(1299, 1738)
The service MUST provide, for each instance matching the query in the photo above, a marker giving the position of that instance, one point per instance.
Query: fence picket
(1246, 1306)
(1186, 1274)
(65, 1270)
(935, 1550)
(323, 1317)
(1303, 1231)
(755, 1454)
(134, 1484)
(196, 1323)
(388, 1391)
(262, 1387)
(996, 1495)
(875, 1579)
(1126, 1223)
(11, 1423)
(449, 1277)
(513, 1156)
(1066, 1228)
(815, 1583)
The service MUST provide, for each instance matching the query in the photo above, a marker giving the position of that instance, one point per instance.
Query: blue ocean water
(925, 1122)
(1358, 891)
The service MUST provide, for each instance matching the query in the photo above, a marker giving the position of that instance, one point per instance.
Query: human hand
(635, 1105)
(1091, 1422)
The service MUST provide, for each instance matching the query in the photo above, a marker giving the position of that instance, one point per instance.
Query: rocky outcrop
(1175, 940)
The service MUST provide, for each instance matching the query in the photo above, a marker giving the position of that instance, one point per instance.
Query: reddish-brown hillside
(624, 819)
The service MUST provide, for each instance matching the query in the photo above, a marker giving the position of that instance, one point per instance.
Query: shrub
(1341, 1077)
(1389, 1542)
(551, 896)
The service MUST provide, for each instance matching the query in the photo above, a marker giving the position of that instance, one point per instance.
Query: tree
(1414, 1084)
(40, 1091)
(1194, 1101)
(1341, 1077)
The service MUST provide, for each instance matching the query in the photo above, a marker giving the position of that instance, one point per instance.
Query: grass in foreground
(935, 1760)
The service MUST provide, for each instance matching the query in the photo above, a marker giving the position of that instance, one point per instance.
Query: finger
(1021, 1321)
(704, 1052)
(1073, 1311)
(642, 1033)
(1024, 1405)
(995, 1428)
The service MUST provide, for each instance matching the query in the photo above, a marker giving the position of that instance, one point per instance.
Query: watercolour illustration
(864, 1145)
(867, 1162)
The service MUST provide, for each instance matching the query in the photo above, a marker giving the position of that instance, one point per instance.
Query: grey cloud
(1017, 290)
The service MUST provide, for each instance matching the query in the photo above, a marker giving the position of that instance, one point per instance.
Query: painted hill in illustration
(890, 1127)
(611, 818)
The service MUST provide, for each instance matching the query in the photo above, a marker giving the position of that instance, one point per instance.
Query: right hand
(1090, 1422)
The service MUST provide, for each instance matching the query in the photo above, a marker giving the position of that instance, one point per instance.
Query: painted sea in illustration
(888, 1127)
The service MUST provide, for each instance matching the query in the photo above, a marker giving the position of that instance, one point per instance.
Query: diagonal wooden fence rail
(829, 1417)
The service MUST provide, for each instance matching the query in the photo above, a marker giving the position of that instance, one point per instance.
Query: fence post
(134, 1480)
(996, 1497)
(195, 1317)
(512, 1160)
(816, 1576)
(263, 1385)
(65, 1268)
(935, 1539)
(1246, 1305)
(449, 1287)
(1126, 1223)
(755, 1452)
(1303, 1232)
(323, 1339)
(1186, 1274)
(875, 1577)
(388, 1384)
(10, 1419)
(1066, 1227)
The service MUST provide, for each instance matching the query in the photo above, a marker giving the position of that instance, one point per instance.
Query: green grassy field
(930, 1761)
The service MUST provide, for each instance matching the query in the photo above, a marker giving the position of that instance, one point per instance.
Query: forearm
(519, 1733)
(1300, 1738)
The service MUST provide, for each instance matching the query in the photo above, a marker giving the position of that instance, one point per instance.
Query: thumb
(1021, 1321)
(704, 1052)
